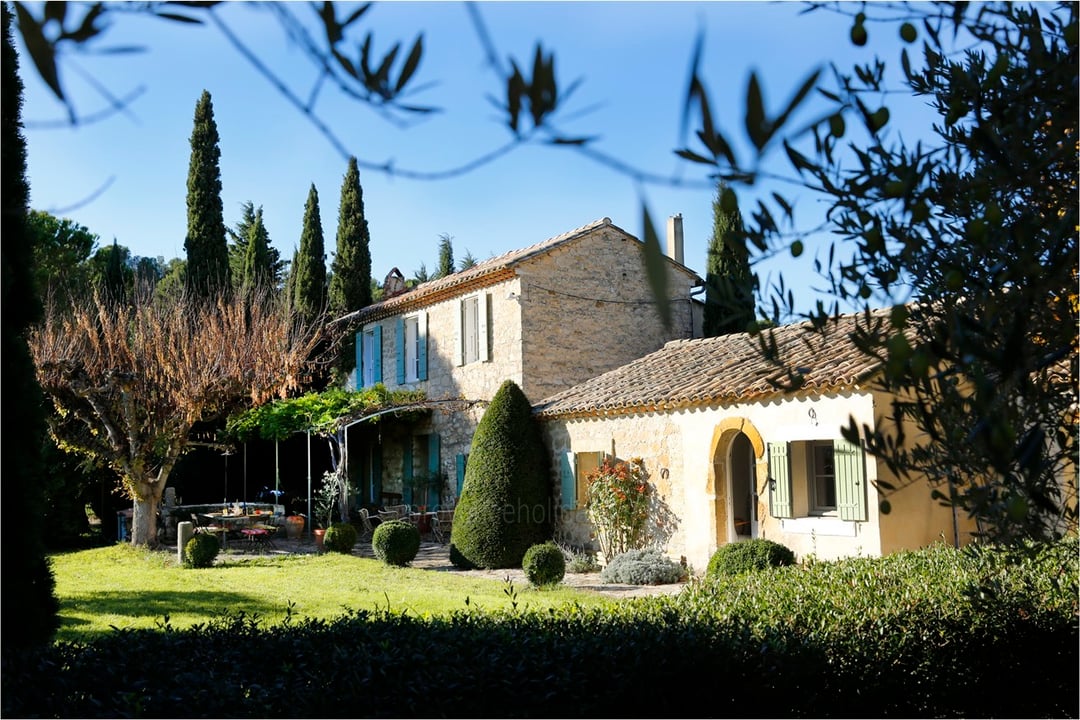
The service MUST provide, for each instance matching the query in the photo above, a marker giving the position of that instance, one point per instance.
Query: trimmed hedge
(396, 542)
(747, 556)
(340, 537)
(544, 564)
(938, 633)
(200, 550)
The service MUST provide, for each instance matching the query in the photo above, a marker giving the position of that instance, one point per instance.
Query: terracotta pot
(320, 535)
(294, 526)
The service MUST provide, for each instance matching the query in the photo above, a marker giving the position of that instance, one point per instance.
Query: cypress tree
(310, 265)
(729, 282)
(350, 280)
(446, 255)
(505, 504)
(113, 282)
(29, 601)
(208, 272)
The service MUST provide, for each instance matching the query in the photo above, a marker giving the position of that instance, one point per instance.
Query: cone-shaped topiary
(544, 564)
(505, 503)
(340, 537)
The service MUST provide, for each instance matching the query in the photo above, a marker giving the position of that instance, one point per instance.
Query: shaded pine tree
(309, 269)
(239, 237)
(257, 273)
(468, 261)
(208, 272)
(446, 256)
(29, 600)
(729, 282)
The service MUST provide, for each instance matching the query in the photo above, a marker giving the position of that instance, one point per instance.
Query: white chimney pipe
(675, 238)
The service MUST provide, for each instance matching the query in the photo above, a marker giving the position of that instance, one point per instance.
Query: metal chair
(442, 524)
(365, 523)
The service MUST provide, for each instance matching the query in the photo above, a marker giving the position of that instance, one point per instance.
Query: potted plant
(324, 506)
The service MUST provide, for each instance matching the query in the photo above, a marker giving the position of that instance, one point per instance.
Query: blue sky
(632, 59)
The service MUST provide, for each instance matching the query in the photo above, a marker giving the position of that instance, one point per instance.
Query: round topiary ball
(200, 550)
(340, 537)
(748, 556)
(396, 542)
(544, 564)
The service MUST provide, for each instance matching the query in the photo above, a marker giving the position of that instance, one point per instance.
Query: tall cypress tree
(729, 282)
(310, 265)
(350, 277)
(208, 271)
(29, 601)
(113, 283)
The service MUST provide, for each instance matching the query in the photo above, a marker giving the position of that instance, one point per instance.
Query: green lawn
(127, 587)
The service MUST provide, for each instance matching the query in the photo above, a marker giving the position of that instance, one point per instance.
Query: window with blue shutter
(779, 481)
(421, 346)
(399, 350)
(360, 360)
(461, 461)
(568, 481)
(434, 471)
(850, 480)
(369, 357)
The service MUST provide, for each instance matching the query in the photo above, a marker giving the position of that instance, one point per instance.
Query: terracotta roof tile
(720, 370)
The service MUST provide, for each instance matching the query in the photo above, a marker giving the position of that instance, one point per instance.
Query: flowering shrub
(618, 506)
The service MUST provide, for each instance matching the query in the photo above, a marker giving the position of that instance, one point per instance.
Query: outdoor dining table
(231, 523)
(423, 520)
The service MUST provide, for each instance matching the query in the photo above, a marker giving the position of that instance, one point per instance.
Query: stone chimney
(675, 238)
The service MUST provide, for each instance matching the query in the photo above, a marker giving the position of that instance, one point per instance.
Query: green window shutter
(406, 472)
(460, 461)
(433, 468)
(483, 303)
(850, 480)
(568, 477)
(399, 346)
(779, 481)
(421, 342)
(376, 352)
(360, 360)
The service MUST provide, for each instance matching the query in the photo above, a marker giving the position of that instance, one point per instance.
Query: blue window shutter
(360, 360)
(406, 471)
(421, 342)
(568, 481)
(434, 466)
(376, 351)
(460, 461)
(850, 480)
(779, 481)
(399, 346)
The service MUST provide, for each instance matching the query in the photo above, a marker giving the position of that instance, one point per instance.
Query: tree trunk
(144, 525)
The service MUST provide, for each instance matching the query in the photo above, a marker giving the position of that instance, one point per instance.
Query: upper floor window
(473, 322)
(412, 348)
(369, 356)
(822, 477)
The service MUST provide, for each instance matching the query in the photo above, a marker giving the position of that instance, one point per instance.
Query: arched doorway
(737, 448)
(741, 475)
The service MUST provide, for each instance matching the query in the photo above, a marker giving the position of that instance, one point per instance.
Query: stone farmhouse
(547, 316)
(733, 456)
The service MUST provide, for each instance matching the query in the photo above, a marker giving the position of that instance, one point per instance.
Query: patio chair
(367, 529)
(442, 524)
